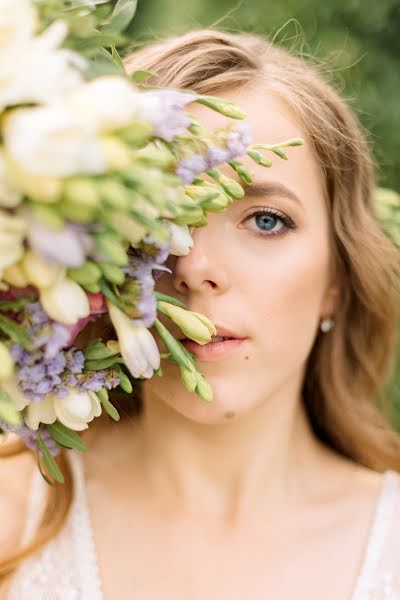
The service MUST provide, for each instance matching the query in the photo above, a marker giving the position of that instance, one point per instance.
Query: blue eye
(271, 222)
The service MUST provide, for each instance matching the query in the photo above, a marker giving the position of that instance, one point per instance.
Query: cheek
(284, 294)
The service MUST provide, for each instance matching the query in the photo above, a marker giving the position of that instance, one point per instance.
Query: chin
(229, 403)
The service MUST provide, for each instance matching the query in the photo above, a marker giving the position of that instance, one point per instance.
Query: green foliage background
(357, 41)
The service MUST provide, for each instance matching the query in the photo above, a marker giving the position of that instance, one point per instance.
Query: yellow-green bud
(112, 246)
(259, 158)
(189, 379)
(204, 389)
(85, 274)
(6, 362)
(82, 191)
(15, 275)
(40, 272)
(194, 325)
(112, 273)
(228, 109)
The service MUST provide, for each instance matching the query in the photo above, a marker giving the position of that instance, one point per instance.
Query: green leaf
(165, 298)
(125, 383)
(122, 15)
(49, 462)
(139, 76)
(117, 58)
(8, 412)
(97, 351)
(108, 407)
(104, 363)
(66, 437)
(15, 331)
(17, 304)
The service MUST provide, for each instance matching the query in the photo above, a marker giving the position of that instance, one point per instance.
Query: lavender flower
(236, 144)
(165, 110)
(29, 437)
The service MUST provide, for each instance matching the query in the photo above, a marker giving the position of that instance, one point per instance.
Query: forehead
(271, 121)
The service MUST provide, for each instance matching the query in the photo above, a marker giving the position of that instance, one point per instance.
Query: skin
(230, 499)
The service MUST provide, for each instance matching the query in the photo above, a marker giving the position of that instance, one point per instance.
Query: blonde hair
(348, 369)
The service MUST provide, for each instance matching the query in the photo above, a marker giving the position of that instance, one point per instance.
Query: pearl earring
(327, 324)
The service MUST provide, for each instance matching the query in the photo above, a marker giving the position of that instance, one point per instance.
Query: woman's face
(264, 277)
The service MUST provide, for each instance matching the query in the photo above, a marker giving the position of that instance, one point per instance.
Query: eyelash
(287, 221)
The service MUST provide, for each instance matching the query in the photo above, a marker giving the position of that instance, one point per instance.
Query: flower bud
(6, 362)
(118, 156)
(259, 158)
(15, 275)
(189, 379)
(195, 326)
(228, 109)
(40, 272)
(112, 246)
(65, 301)
(87, 274)
(204, 389)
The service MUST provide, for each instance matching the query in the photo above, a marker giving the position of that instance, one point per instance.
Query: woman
(286, 486)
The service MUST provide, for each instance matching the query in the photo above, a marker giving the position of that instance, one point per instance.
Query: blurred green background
(358, 42)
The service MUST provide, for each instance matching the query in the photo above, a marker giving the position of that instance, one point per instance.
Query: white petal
(65, 301)
(40, 412)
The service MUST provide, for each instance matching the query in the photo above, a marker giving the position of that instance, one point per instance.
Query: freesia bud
(15, 275)
(6, 362)
(65, 301)
(195, 326)
(228, 109)
(40, 272)
(137, 345)
(180, 241)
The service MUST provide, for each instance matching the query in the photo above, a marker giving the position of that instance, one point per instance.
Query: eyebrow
(271, 188)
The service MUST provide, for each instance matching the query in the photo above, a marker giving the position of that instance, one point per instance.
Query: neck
(226, 471)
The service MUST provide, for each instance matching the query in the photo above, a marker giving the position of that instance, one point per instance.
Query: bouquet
(102, 177)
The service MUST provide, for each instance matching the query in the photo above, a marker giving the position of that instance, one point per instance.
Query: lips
(222, 332)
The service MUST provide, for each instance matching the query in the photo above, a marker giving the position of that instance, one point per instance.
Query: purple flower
(166, 112)
(29, 437)
(236, 144)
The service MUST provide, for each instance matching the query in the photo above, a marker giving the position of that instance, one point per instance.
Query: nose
(204, 269)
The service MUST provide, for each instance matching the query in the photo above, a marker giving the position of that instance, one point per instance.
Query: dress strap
(384, 519)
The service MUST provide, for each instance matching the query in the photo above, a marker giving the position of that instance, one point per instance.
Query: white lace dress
(67, 569)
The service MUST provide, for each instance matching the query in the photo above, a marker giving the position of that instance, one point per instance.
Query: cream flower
(49, 141)
(137, 345)
(180, 241)
(33, 68)
(75, 411)
(6, 362)
(9, 195)
(106, 103)
(65, 301)
(12, 233)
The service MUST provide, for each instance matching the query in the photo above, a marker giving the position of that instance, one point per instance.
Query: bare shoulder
(15, 478)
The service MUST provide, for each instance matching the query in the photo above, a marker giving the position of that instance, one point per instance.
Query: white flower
(66, 246)
(137, 345)
(75, 411)
(6, 362)
(13, 389)
(106, 103)
(49, 141)
(65, 301)
(33, 68)
(180, 241)
(40, 272)
(12, 233)
(9, 195)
